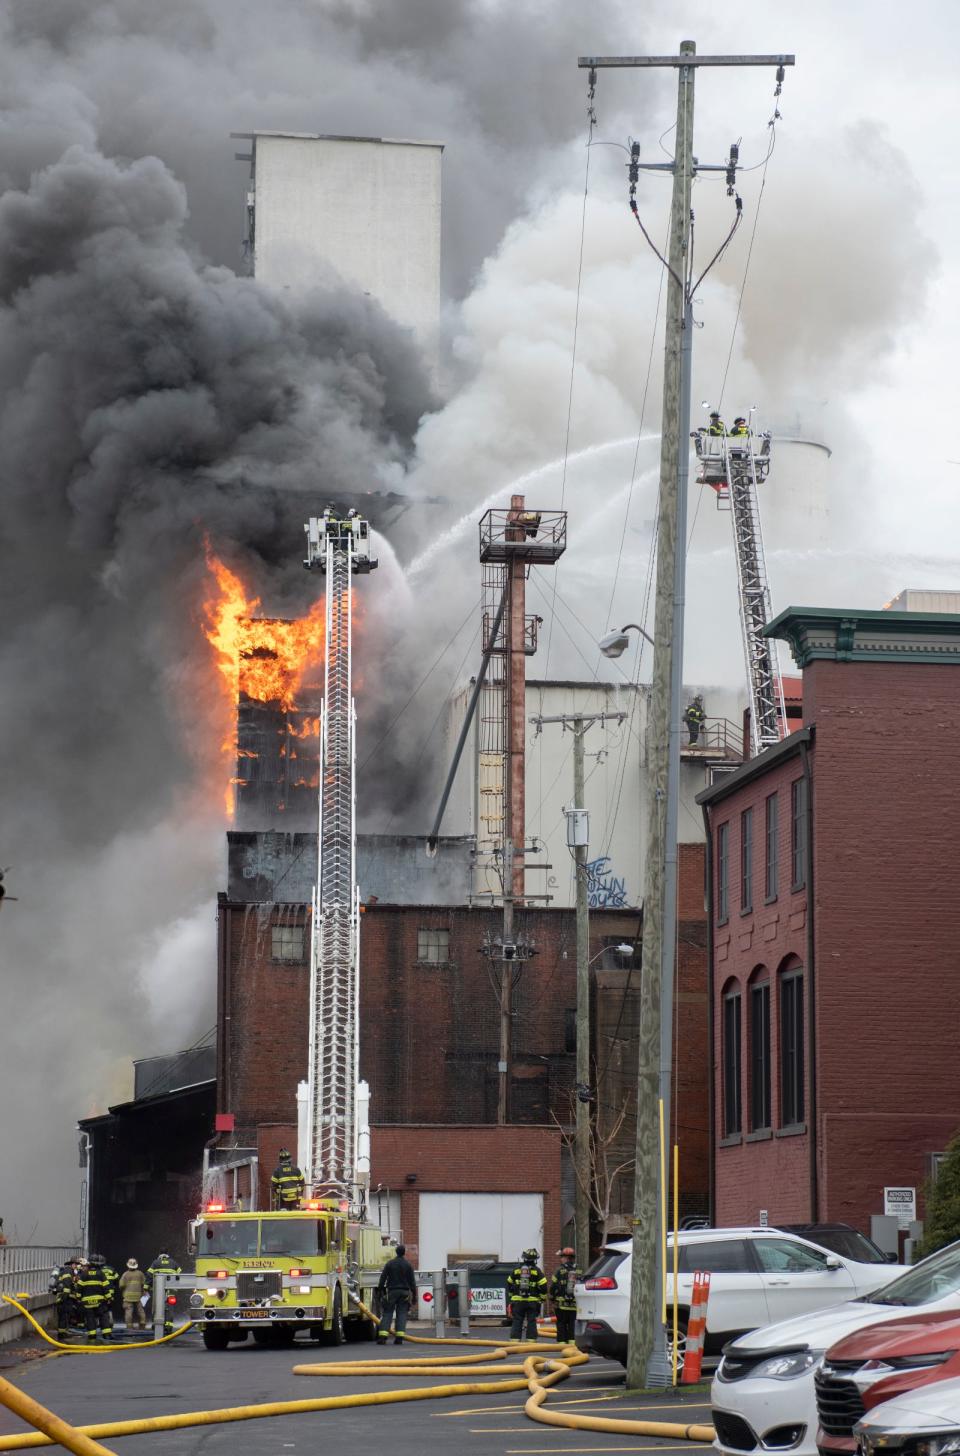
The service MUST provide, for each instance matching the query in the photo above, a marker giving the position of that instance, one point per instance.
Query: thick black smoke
(148, 400)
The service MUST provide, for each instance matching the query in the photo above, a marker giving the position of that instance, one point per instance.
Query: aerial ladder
(333, 1122)
(735, 465)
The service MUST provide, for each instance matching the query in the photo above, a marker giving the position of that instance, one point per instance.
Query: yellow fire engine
(273, 1274)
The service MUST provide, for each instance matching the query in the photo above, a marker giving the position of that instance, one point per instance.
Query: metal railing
(26, 1268)
(717, 736)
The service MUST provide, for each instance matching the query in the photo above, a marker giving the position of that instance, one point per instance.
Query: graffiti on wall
(606, 891)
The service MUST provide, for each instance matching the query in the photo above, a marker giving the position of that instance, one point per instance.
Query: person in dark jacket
(398, 1290)
(287, 1184)
(562, 1286)
(162, 1264)
(695, 717)
(95, 1291)
(526, 1291)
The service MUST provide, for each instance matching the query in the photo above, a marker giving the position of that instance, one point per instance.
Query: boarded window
(433, 946)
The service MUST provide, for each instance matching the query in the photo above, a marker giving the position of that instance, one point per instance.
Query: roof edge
(755, 768)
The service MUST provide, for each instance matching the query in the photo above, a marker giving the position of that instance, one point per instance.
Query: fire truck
(272, 1274)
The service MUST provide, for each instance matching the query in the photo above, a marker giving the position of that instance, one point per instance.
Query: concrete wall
(615, 786)
(364, 209)
(273, 867)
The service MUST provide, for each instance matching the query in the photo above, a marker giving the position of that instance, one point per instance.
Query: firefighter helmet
(568, 1253)
(530, 1256)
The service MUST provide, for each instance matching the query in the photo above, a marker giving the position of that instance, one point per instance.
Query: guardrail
(26, 1268)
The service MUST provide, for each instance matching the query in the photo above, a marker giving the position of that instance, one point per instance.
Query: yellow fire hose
(105, 1349)
(536, 1375)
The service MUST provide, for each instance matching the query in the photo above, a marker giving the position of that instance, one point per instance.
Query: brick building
(429, 1035)
(834, 924)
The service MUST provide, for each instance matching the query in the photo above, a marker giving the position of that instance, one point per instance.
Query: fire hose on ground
(543, 1367)
(104, 1349)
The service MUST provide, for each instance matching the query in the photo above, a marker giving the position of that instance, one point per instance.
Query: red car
(878, 1363)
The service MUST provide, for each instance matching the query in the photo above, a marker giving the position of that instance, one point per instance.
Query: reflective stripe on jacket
(561, 1286)
(527, 1284)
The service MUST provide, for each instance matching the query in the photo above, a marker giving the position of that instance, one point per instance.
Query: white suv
(758, 1276)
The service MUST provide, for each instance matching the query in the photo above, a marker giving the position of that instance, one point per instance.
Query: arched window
(758, 994)
(731, 1059)
(792, 1090)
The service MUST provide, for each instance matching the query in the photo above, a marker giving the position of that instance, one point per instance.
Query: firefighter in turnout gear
(162, 1264)
(398, 1291)
(716, 426)
(695, 717)
(740, 428)
(526, 1291)
(287, 1183)
(561, 1292)
(95, 1293)
(64, 1286)
(133, 1286)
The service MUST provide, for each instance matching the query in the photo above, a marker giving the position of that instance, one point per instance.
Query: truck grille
(258, 1284)
(839, 1404)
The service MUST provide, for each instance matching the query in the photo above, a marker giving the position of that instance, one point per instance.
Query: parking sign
(901, 1204)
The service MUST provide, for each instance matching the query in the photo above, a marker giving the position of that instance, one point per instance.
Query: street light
(616, 643)
(622, 949)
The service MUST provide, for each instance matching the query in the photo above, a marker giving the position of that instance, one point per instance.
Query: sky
(140, 379)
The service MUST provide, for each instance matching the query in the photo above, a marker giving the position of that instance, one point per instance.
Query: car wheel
(681, 1338)
(215, 1339)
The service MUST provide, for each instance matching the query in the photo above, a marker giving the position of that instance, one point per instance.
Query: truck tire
(215, 1339)
(337, 1334)
(261, 1337)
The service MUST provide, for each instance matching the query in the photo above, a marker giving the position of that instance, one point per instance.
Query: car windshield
(848, 1243)
(292, 1236)
(934, 1279)
(235, 1238)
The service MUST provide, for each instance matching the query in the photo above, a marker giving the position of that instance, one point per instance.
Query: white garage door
(470, 1225)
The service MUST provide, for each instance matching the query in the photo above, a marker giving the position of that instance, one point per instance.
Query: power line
(591, 123)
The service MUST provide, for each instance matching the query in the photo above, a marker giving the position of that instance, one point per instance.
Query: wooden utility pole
(578, 839)
(647, 1355)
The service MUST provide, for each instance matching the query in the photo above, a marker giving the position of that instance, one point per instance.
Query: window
(723, 872)
(433, 946)
(293, 1236)
(286, 943)
(720, 1256)
(760, 1056)
(772, 829)
(791, 1048)
(798, 833)
(783, 1256)
(746, 861)
(731, 1063)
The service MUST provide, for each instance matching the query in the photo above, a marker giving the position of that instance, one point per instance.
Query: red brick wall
(430, 1033)
(771, 1171)
(888, 923)
(886, 796)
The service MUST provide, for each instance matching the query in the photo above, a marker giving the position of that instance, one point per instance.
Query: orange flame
(263, 659)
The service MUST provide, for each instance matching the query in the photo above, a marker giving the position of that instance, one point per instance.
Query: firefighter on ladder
(562, 1286)
(287, 1183)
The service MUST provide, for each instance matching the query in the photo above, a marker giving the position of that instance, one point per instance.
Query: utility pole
(578, 837)
(647, 1361)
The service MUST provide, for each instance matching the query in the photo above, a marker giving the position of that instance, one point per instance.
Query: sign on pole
(901, 1204)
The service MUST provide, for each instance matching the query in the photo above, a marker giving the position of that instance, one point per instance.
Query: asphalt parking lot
(186, 1377)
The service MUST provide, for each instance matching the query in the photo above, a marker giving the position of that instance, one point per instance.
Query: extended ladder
(735, 466)
(340, 548)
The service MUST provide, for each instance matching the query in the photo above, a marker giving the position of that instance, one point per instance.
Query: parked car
(757, 1276)
(924, 1423)
(878, 1364)
(763, 1394)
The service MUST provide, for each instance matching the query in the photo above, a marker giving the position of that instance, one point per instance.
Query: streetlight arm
(637, 628)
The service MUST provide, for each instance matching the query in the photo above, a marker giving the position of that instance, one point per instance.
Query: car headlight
(788, 1365)
(944, 1443)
